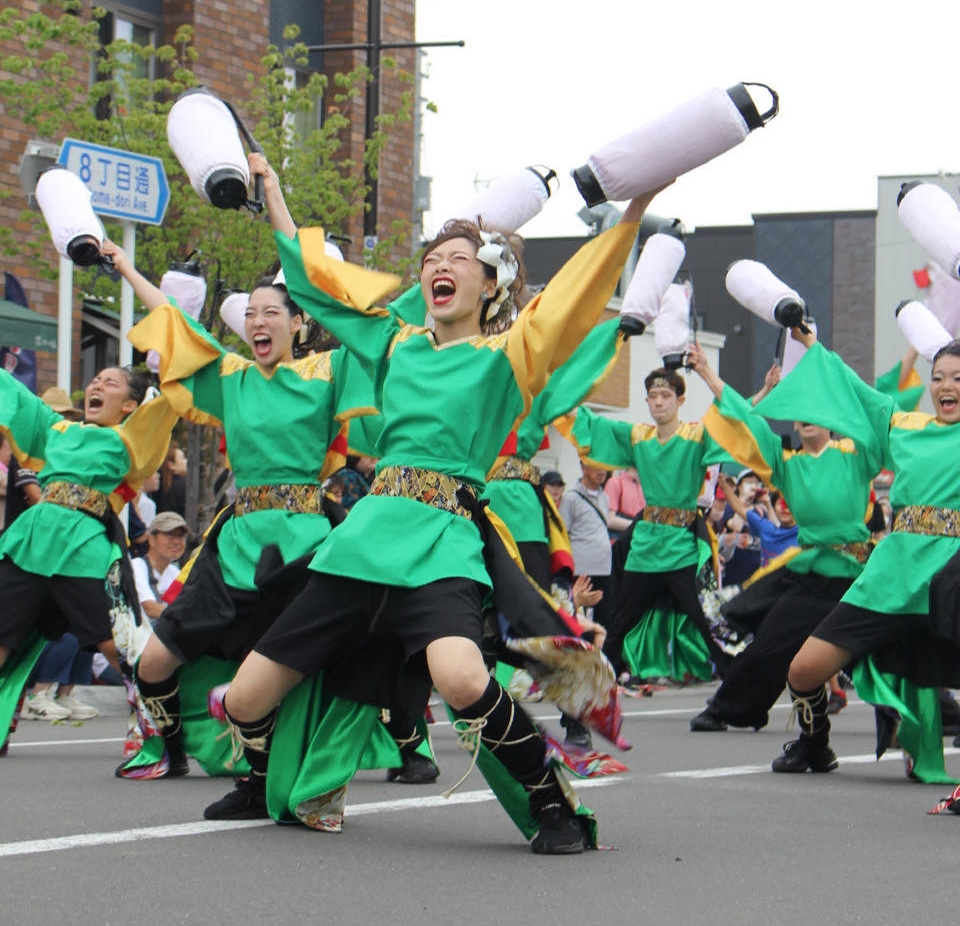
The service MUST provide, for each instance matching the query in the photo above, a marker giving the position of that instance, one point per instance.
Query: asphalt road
(703, 833)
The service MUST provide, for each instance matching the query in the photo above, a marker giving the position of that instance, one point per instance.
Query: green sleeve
(366, 332)
(572, 383)
(733, 423)
(823, 390)
(604, 440)
(25, 420)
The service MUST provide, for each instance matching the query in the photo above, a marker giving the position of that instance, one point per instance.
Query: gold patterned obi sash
(423, 485)
(77, 497)
(926, 519)
(860, 550)
(297, 499)
(516, 468)
(675, 517)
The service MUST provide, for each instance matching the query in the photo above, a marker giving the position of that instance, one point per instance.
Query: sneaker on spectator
(43, 706)
(78, 710)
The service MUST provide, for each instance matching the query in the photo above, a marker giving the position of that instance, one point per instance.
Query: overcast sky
(866, 90)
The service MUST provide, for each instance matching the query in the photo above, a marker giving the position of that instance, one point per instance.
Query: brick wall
(615, 389)
(14, 136)
(231, 36)
(346, 23)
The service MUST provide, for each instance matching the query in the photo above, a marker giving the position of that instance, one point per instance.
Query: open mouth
(262, 344)
(443, 290)
(94, 403)
(948, 403)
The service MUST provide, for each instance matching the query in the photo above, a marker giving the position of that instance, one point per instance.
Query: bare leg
(816, 662)
(258, 688)
(458, 671)
(156, 662)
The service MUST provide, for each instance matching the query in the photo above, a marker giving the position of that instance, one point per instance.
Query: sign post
(125, 186)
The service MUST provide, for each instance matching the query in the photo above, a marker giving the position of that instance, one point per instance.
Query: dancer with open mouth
(56, 557)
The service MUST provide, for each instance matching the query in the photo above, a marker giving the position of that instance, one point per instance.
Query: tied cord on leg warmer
(254, 738)
(810, 708)
(507, 731)
(162, 700)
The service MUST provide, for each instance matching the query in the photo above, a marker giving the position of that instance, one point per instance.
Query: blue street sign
(123, 185)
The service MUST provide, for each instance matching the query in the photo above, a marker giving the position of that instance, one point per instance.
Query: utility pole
(374, 46)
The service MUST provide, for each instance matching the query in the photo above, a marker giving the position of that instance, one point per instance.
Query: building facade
(231, 37)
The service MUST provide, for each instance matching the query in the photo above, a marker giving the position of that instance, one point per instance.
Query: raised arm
(697, 361)
(769, 382)
(729, 487)
(150, 295)
(280, 218)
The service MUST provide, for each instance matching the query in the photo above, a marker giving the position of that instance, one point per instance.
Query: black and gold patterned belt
(516, 468)
(926, 519)
(297, 499)
(860, 550)
(674, 517)
(423, 485)
(78, 497)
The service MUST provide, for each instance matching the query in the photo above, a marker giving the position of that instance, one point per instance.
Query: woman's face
(454, 282)
(945, 388)
(270, 327)
(107, 400)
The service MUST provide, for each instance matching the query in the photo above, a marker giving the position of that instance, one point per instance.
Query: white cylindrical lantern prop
(188, 289)
(793, 350)
(943, 297)
(921, 328)
(757, 289)
(76, 231)
(931, 216)
(511, 201)
(203, 134)
(671, 334)
(233, 311)
(657, 265)
(672, 144)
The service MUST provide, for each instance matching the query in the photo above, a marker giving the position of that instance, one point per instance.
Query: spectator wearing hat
(159, 566)
(553, 485)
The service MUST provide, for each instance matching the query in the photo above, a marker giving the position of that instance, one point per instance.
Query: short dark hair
(268, 283)
(951, 348)
(552, 478)
(673, 380)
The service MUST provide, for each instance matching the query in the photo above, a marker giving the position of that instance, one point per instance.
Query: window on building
(114, 27)
(306, 121)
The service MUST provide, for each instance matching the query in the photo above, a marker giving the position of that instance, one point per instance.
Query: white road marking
(199, 828)
(176, 830)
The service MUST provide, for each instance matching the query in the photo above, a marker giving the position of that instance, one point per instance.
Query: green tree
(47, 84)
(45, 80)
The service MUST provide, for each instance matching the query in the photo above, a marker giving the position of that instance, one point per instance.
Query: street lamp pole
(374, 46)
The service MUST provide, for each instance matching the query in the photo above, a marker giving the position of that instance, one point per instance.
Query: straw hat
(60, 402)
